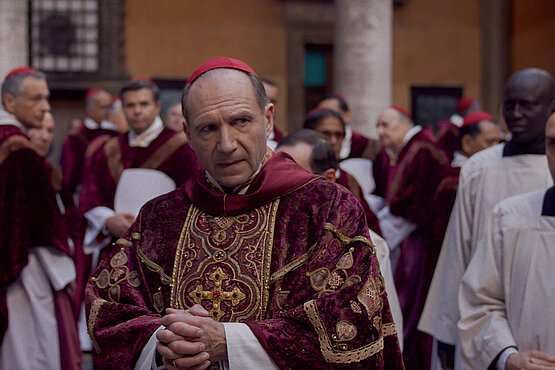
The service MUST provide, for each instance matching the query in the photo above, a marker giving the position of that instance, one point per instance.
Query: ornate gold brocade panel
(223, 263)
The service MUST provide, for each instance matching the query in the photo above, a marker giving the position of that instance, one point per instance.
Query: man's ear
(186, 131)
(9, 102)
(329, 174)
(466, 143)
(269, 116)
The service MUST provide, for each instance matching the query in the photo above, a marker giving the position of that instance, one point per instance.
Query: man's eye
(208, 128)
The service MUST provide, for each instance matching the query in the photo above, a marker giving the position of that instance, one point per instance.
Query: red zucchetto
(400, 110)
(475, 117)
(219, 62)
(20, 70)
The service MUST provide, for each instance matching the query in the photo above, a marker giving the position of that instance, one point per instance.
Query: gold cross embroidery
(217, 295)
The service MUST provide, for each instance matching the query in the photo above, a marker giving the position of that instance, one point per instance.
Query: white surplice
(486, 179)
(506, 296)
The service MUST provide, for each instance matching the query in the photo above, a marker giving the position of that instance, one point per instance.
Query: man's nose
(517, 110)
(45, 106)
(227, 142)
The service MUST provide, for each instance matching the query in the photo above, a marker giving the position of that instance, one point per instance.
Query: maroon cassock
(447, 138)
(409, 186)
(168, 153)
(347, 180)
(363, 147)
(291, 258)
(74, 153)
(29, 216)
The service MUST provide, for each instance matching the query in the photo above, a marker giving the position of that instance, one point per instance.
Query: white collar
(92, 125)
(9, 119)
(458, 159)
(347, 142)
(146, 137)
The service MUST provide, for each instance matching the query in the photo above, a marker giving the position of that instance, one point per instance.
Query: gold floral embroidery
(370, 297)
(389, 329)
(158, 302)
(344, 239)
(355, 307)
(293, 265)
(244, 254)
(93, 315)
(346, 331)
(118, 274)
(136, 236)
(281, 298)
(338, 354)
(377, 322)
(154, 267)
(335, 281)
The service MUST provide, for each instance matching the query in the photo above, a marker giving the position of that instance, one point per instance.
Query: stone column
(363, 58)
(494, 22)
(13, 35)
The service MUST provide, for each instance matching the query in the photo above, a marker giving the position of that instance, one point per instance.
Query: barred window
(64, 35)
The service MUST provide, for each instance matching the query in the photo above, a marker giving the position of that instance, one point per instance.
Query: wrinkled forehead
(219, 85)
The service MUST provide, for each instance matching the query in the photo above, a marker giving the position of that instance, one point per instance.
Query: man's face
(41, 137)
(550, 144)
(140, 109)
(226, 127)
(97, 111)
(489, 135)
(300, 152)
(272, 93)
(31, 104)
(525, 108)
(392, 129)
(333, 130)
(174, 118)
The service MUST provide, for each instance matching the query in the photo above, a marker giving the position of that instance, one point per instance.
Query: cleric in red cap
(35, 267)
(407, 171)
(95, 124)
(448, 130)
(254, 263)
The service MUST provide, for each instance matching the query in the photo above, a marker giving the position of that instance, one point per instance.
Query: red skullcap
(464, 103)
(20, 70)
(400, 110)
(93, 91)
(477, 116)
(219, 62)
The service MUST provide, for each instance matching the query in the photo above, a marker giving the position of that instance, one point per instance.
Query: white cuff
(147, 359)
(58, 266)
(244, 351)
(96, 219)
(502, 361)
(395, 229)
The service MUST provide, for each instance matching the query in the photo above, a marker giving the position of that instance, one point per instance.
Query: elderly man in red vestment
(36, 268)
(355, 144)
(95, 124)
(407, 172)
(254, 262)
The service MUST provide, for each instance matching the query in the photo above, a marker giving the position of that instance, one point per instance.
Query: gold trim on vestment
(389, 329)
(293, 265)
(93, 315)
(347, 240)
(165, 151)
(154, 267)
(326, 347)
(245, 257)
(113, 157)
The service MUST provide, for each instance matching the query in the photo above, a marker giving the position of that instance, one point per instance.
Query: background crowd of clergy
(469, 272)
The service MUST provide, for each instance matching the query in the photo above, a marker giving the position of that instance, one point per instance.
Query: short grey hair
(257, 85)
(12, 85)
